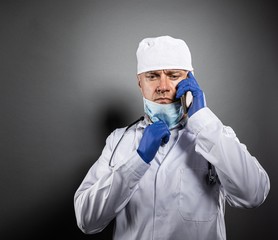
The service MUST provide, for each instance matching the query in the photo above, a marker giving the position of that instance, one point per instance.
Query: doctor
(169, 175)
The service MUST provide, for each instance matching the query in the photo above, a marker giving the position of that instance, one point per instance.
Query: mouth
(163, 100)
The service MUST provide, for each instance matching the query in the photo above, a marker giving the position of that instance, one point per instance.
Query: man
(169, 175)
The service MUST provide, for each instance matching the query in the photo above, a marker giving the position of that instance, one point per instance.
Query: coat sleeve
(106, 190)
(245, 182)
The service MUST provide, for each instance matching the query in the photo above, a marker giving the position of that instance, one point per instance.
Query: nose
(163, 84)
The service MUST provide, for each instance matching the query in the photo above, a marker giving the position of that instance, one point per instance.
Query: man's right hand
(154, 136)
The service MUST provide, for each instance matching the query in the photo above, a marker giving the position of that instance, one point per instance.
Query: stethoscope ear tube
(128, 127)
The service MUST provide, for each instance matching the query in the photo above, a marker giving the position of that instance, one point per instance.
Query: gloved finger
(190, 75)
(166, 138)
(156, 124)
(165, 135)
(159, 125)
(182, 88)
(192, 79)
(164, 131)
(185, 86)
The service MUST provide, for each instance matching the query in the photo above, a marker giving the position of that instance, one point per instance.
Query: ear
(139, 84)
(139, 81)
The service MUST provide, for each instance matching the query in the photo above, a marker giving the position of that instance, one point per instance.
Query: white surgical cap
(163, 52)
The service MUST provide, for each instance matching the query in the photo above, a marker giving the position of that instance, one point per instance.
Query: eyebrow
(173, 71)
(166, 71)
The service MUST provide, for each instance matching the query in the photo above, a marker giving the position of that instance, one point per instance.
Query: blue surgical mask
(170, 113)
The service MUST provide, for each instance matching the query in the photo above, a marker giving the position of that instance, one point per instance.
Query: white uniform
(170, 199)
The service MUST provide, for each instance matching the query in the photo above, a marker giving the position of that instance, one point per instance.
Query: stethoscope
(211, 176)
(127, 128)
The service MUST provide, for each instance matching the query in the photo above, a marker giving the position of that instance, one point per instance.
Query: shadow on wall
(55, 218)
(114, 115)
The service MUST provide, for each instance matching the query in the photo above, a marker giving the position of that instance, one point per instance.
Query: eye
(151, 77)
(174, 76)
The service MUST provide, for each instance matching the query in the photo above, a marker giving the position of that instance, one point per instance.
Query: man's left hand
(190, 84)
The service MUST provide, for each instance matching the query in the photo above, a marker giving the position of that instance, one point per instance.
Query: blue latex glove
(154, 136)
(190, 84)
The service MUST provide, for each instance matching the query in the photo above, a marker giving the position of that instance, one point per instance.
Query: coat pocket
(198, 201)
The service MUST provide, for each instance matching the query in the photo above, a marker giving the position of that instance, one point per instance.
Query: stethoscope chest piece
(211, 176)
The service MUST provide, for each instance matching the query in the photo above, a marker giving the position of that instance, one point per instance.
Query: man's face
(160, 86)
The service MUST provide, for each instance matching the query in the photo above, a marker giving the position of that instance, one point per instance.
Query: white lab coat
(169, 199)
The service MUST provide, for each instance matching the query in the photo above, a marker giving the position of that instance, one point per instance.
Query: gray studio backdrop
(68, 78)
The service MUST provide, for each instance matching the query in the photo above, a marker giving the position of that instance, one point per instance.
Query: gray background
(68, 78)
